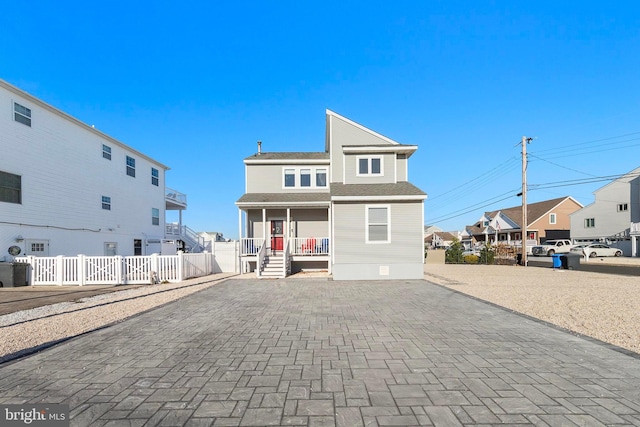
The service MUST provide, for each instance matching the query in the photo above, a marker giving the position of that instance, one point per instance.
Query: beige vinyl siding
(406, 245)
(309, 223)
(401, 167)
(270, 178)
(351, 169)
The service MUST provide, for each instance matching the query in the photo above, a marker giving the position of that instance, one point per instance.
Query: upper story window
(369, 166)
(10, 188)
(552, 218)
(377, 230)
(106, 203)
(155, 176)
(131, 166)
(302, 177)
(155, 216)
(305, 177)
(321, 177)
(589, 222)
(623, 207)
(289, 178)
(106, 152)
(22, 114)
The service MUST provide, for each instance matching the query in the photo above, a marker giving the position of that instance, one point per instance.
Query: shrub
(453, 255)
(471, 259)
(487, 255)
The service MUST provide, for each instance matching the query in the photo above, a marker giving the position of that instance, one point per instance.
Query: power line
(560, 166)
(474, 207)
(565, 147)
(581, 181)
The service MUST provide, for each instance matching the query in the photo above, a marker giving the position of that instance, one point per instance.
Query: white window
(305, 178)
(155, 176)
(369, 166)
(623, 207)
(552, 218)
(289, 178)
(131, 166)
(10, 188)
(106, 203)
(22, 114)
(589, 222)
(321, 177)
(106, 152)
(155, 216)
(378, 219)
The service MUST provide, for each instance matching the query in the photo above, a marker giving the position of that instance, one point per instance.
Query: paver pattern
(324, 353)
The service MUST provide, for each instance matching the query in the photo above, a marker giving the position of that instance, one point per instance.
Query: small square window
(375, 166)
(363, 166)
(22, 114)
(131, 166)
(10, 188)
(155, 177)
(289, 178)
(106, 152)
(321, 178)
(552, 218)
(589, 222)
(370, 166)
(623, 207)
(305, 177)
(106, 203)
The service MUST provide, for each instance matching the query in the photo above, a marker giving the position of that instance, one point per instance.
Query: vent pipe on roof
(259, 147)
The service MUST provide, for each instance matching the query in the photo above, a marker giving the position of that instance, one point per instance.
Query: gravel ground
(23, 331)
(602, 306)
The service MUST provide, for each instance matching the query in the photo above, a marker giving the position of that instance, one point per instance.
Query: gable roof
(535, 211)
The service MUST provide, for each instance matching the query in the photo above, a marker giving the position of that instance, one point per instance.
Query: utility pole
(525, 141)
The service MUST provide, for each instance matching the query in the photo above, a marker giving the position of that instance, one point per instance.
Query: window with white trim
(22, 114)
(106, 152)
(10, 188)
(552, 218)
(305, 177)
(321, 177)
(589, 222)
(106, 203)
(369, 166)
(155, 216)
(131, 166)
(289, 178)
(378, 218)
(155, 176)
(623, 207)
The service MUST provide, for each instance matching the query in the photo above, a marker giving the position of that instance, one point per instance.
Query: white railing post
(120, 269)
(82, 274)
(180, 266)
(31, 261)
(154, 273)
(59, 270)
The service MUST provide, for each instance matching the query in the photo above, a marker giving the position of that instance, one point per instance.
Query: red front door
(277, 236)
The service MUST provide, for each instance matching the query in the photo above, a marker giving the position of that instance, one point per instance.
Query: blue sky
(196, 84)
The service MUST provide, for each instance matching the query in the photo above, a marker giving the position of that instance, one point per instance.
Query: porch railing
(635, 228)
(309, 246)
(286, 265)
(250, 246)
(175, 196)
(190, 237)
(262, 252)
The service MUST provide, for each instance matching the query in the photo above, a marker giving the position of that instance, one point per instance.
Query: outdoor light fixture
(19, 238)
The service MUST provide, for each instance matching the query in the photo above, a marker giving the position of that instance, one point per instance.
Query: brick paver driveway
(323, 353)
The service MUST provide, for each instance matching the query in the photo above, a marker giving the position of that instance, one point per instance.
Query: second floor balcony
(174, 200)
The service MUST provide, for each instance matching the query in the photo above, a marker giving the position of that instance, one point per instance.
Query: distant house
(67, 188)
(613, 217)
(443, 239)
(349, 209)
(547, 220)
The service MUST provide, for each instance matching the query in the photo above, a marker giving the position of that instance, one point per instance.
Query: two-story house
(349, 210)
(67, 188)
(613, 217)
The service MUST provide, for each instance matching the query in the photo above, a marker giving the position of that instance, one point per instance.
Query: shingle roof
(261, 198)
(364, 190)
(534, 210)
(311, 155)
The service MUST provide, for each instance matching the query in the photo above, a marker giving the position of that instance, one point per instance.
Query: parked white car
(596, 250)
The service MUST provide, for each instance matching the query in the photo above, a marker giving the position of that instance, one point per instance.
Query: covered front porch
(277, 241)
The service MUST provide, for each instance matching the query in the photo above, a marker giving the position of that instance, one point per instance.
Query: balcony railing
(175, 197)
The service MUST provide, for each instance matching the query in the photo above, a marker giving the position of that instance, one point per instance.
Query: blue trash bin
(557, 262)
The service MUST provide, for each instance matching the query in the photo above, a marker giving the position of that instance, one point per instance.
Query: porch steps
(273, 267)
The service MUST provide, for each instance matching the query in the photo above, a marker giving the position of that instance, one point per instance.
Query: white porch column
(264, 224)
(634, 245)
(288, 233)
(240, 240)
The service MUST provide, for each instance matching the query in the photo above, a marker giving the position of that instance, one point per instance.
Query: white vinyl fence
(103, 270)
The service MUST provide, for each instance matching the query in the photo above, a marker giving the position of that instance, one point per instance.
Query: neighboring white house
(349, 210)
(66, 188)
(613, 217)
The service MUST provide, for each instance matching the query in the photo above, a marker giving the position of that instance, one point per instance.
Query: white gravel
(601, 306)
(22, 331)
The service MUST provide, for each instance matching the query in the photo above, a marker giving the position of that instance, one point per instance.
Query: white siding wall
(403, 257)
(608, 221)
(64, 177)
